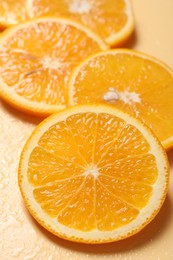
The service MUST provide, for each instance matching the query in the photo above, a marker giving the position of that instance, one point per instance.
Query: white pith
(80, 7)
(126, 96)
(91, 170)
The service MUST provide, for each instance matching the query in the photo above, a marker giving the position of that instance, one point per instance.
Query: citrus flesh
(113, 21)
(36, 59)
(93, 174)
(12, 12)
(133, 82)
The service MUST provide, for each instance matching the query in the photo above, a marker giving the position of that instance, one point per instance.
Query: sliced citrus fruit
(36, 59)
(134, 82)
(112, 20)
(93, 174)
(12, 12)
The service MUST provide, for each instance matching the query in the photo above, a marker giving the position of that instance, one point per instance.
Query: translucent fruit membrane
(92, 171)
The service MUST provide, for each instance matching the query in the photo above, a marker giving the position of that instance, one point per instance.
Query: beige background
(21, 237)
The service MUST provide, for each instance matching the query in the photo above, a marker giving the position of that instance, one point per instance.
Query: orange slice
(111, 20)
(93, 174)
(133, 82)
(36, 59)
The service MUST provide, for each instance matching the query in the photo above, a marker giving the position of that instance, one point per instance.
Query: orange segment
(131, 81)
(54, 197)
(93, 174)
(81, 204)
(83, 132)
(123, 167)
(36, 59)
(131, 194)
(112, 212)
(37, 172)
(111, 20)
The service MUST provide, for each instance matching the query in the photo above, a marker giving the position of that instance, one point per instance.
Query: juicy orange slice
(133, 82)
(36, 59)
(112, 20)
(93, 174)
